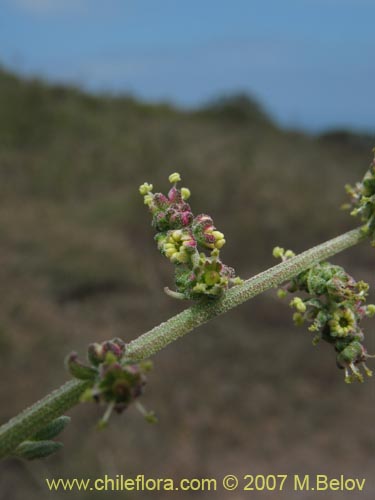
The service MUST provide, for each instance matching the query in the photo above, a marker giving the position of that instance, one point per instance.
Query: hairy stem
(159, 337)
(37, 416)
(30, 421)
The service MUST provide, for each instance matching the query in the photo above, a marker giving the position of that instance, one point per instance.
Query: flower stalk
(37, 416)
(159, 337)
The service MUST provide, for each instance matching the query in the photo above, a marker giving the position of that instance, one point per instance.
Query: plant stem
(159, 337)
(30, 421)
(37, 416)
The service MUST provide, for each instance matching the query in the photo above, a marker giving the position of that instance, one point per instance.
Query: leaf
(32, 450)
(52, 429)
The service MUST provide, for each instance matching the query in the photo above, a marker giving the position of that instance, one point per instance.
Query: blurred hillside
(249, 394)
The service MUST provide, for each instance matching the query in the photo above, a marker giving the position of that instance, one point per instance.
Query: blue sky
(310, 62)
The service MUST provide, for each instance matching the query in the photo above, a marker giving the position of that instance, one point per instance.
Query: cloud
(48, 6)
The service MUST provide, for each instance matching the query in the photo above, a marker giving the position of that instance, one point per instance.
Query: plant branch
(30, 421)
(159, 337)
(37, 416)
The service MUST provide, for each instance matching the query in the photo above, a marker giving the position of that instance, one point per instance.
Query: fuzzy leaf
(78, 369)
(32, 450)
(52, 429)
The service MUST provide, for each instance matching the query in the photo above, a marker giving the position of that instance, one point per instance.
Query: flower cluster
(116, 380)
(334, 304)
(362, 200)
(183, 239)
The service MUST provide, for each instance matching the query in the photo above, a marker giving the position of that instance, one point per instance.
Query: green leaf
(78, 369)
(52, 429)
(32, 450)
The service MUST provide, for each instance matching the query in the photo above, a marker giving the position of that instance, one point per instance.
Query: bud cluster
(183, 239)
(362, 200)
(116, 380)
(334, 303)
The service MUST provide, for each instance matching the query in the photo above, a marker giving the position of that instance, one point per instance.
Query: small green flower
(349, 357)
(185, 193)
(175, 177)
(342, 323)
(298, 319)
(298, 304)
(145, 188)
(281, 293)
(281, 253)
(147, 199)
(362, 200)
(289, 254)
(278, 252)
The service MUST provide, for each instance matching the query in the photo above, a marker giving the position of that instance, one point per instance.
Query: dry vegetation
(244, 394)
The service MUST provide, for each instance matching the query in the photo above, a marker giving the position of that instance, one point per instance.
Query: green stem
(37, 416)
(159, 337)
(30, 421)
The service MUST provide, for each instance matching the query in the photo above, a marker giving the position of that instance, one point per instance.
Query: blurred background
(266, 109)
